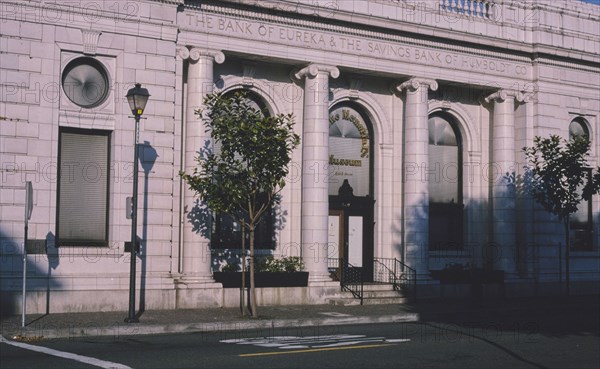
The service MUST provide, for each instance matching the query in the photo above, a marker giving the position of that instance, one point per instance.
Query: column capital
(415, 83)
(505, 94)
(195, 53)
(313, 70)
(183, 52)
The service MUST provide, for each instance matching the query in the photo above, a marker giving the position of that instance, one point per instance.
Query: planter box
(263, 279)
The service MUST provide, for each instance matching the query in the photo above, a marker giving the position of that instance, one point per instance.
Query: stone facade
(499, 71)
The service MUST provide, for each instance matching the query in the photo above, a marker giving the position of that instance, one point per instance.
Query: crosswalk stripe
(66, 355)
(315, 350)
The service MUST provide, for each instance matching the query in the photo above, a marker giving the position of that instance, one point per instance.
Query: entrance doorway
(351, 203)
(351, 234)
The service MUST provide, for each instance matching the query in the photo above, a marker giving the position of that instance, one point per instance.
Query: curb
(265, 326)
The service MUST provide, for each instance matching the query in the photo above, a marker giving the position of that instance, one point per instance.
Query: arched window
(580, 222)
(578, 128)
(227, 231)
(444, 176)
(350, 151)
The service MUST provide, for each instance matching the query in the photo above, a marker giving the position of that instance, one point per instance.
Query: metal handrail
(351, 277)
(400, 275)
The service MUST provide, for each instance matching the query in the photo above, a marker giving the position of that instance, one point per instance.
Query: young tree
(559, 178)
(245, 175)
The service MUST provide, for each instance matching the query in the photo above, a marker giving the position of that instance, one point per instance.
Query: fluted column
(200, 80)
(315, 161)
(416, 160)
(502, 175)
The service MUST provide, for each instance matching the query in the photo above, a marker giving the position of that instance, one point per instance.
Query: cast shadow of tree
(199, 215)
(524, 318)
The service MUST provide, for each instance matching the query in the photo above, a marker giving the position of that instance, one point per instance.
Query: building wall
(547, 51)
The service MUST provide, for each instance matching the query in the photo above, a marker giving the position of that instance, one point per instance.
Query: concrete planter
(263, 279)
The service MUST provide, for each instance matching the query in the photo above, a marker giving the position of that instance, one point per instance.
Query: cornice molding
(174, 2)
(82, 15)
(527, 50)
(324, 27)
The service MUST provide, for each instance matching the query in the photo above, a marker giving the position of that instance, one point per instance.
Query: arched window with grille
(580, 222)
(444, 177)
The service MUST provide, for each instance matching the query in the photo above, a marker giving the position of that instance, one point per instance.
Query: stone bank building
(412, 116)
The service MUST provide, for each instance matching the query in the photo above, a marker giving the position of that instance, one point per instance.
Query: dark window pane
(581, 225)
(444, 176)
(577, 129)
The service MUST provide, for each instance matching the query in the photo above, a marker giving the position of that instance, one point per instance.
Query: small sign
(128, 246)
(129, 207)
(28, 200)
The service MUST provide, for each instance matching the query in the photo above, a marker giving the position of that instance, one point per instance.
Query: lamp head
(137, 98)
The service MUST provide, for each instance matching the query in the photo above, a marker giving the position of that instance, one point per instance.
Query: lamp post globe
(137, 97)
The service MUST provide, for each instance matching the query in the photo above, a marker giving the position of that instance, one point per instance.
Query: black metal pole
(132, 318)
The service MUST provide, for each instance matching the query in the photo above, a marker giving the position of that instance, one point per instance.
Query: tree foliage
(244, 175)
(558, 178)
(557, 174)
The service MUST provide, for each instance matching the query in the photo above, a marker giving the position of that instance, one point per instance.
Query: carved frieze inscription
(339, 42)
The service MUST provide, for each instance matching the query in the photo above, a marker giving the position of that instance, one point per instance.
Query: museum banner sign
(349, 146)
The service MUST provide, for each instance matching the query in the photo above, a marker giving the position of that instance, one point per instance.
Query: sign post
(28, 210)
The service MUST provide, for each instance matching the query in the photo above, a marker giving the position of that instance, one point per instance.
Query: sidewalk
(72, 325)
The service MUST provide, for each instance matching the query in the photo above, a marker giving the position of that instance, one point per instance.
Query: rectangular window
(83, 184)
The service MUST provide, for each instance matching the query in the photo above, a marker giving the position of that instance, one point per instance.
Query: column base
(319, 279)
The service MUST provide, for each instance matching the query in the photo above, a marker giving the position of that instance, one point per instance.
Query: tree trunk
(243, 287)
(567, 254)
(252, 285)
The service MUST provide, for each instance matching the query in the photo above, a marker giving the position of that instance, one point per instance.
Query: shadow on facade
(148, 156)
(42, 259)
(494, 319)
(199, 216)
(471, 248)
(539, 260)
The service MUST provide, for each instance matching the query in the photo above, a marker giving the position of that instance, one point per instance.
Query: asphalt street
(521, 333)
(476, 344)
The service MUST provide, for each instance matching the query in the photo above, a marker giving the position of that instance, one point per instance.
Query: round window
(85, 82)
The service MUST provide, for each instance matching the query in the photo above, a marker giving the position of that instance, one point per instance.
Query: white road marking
(66, 355)
(336, 314)
(294, 343)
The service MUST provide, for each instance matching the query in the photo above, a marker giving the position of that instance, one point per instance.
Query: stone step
(350, 301)
(377, 287)
(381, 293)
(344, 301)
(384, 301)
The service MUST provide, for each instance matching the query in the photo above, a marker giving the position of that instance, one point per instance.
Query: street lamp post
(137, 98)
